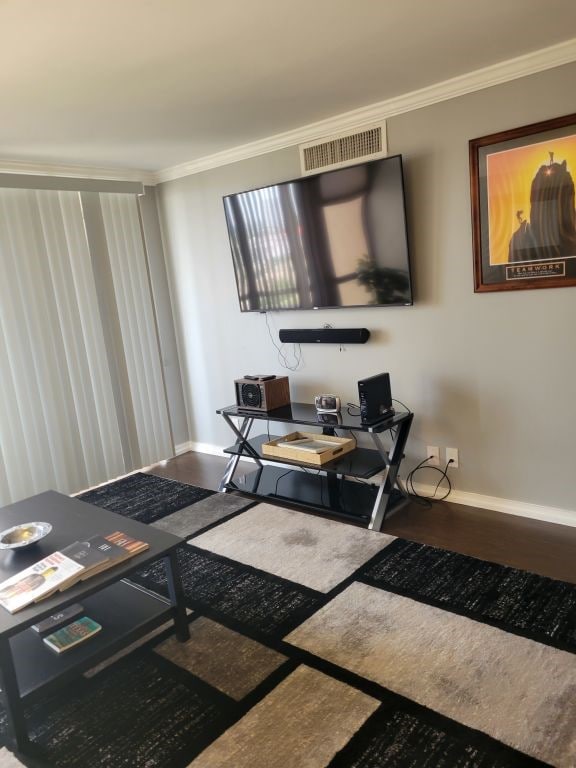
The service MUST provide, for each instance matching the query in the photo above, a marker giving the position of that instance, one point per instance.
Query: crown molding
(77, 171)
(503, 72)
(512, 69)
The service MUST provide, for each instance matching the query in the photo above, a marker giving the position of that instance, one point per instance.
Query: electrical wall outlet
(452, 453)
(434, 451)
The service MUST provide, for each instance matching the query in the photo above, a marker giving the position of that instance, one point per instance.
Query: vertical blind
(81, 392)
(137, 326)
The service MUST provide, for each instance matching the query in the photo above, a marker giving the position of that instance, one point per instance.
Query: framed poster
(523, 209)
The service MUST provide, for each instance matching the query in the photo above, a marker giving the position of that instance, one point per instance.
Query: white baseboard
(213, 450)
(185, 447)
(468, 498)
(114, 479)
(507, 506)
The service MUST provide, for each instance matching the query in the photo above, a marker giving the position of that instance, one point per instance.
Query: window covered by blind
(70, 379)
(137, 325)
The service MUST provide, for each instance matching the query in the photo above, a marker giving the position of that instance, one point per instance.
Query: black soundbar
(324, 335)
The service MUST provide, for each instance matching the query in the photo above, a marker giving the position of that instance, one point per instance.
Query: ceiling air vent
(344, 149)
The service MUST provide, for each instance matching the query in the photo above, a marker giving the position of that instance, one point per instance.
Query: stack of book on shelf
(77, 632)
(61, 570)
(60, 633)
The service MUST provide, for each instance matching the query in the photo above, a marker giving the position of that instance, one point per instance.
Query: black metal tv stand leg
(392, 459)
(242, 442)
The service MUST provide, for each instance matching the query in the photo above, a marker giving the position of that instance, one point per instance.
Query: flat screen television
(335, 239)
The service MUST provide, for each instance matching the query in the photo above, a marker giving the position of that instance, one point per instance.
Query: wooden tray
(342, 445)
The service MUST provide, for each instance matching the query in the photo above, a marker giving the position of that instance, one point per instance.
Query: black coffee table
(125, 611)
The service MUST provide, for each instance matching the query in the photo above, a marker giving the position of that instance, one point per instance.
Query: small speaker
(262, 393)
(375, 398)
(324, 335)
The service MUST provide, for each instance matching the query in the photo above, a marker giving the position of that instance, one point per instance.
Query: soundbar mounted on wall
(324, 335)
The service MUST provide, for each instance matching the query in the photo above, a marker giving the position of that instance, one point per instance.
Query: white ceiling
(149, 84)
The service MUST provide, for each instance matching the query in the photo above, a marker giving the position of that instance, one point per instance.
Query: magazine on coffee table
(98, 553)
(63, 569)
(56, 571)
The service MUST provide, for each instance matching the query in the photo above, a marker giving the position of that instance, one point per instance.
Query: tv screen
(336, 239)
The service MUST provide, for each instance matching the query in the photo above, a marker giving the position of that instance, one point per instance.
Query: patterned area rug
(145, 497)
(316, 644)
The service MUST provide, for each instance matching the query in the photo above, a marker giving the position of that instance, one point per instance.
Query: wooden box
(341, 445)
(261, 394)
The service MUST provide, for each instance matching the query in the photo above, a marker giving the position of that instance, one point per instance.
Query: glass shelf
(305, 413)
(361, 462)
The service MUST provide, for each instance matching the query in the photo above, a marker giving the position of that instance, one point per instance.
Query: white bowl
(23, 535)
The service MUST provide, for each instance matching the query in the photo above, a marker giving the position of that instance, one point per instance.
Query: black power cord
(411, 493)
(280, 478)
(282, 356)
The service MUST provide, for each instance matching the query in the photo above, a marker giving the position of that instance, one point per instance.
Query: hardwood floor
(532, 545)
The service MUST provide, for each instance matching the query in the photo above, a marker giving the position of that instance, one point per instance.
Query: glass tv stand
(339, 487)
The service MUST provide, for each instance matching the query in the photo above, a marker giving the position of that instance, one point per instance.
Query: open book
(61, 570)
(38, 581)
(98, 553)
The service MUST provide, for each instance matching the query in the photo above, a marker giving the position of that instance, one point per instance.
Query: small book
(80, 630)
(58, 619)
(129, 547)
(38, 581)
(61, 570)
(91, 554)
(98, 553)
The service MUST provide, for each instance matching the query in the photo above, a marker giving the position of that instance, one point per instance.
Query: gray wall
(491, 374)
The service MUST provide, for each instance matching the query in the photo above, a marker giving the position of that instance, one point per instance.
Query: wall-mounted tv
(335, 239)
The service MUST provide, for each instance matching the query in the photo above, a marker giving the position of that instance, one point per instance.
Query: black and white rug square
(317, 644)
